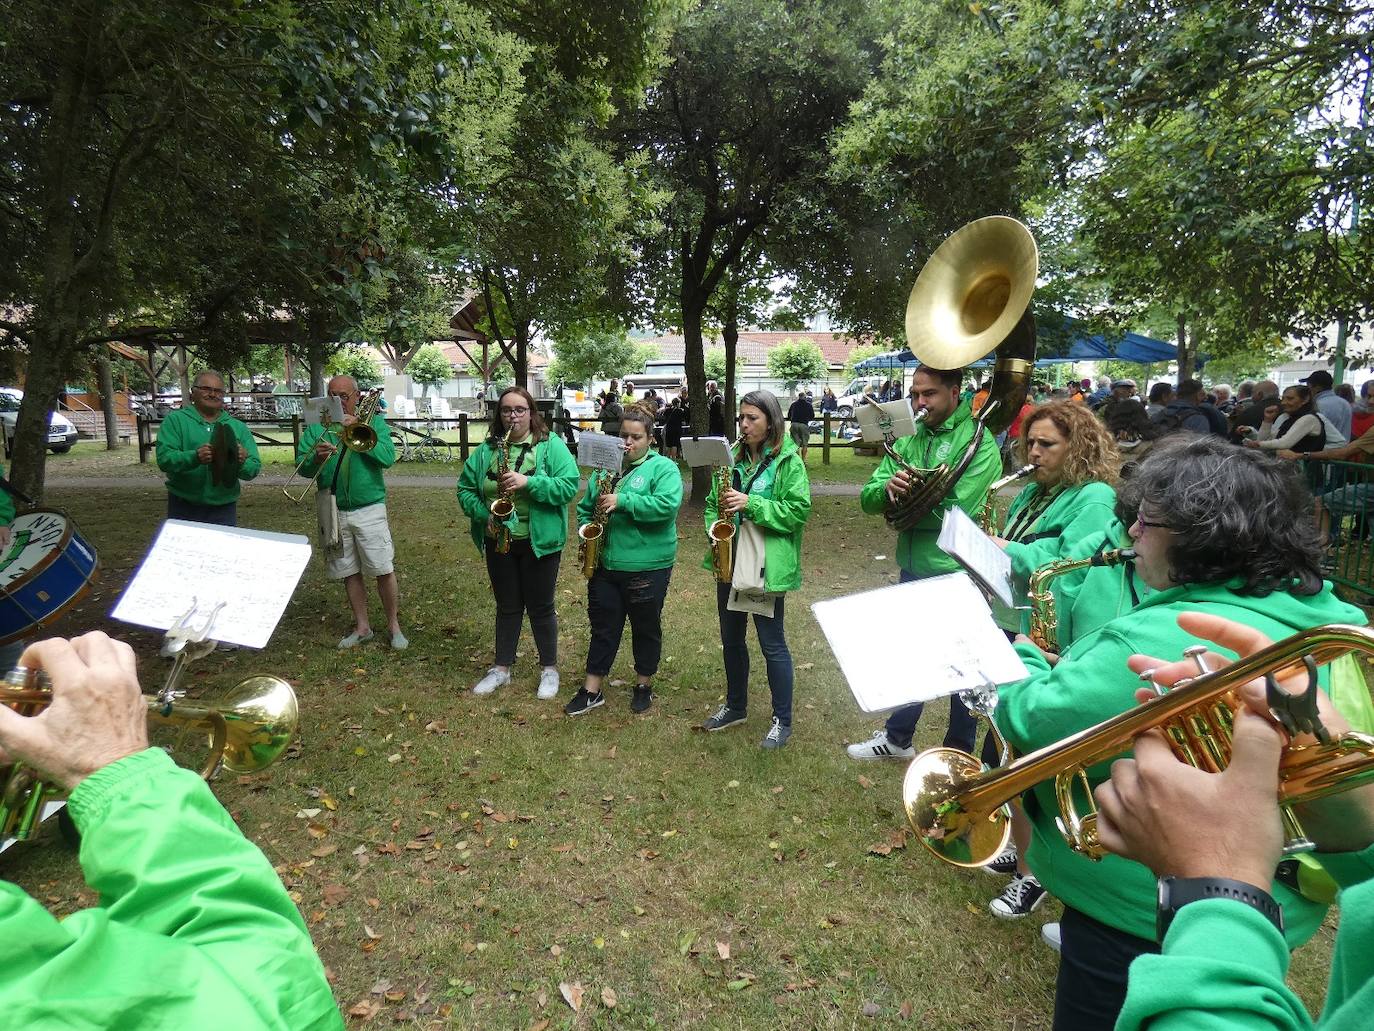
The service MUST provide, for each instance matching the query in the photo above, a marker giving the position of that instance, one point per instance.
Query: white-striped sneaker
(879, 747)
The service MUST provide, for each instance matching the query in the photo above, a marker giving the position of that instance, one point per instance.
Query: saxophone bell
(722, 534)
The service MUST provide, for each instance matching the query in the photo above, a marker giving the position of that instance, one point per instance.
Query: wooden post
(825, 438)
(145, 436)
(463, 436)
(295, 434)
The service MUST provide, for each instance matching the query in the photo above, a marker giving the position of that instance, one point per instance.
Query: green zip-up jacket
(779, 505)
(7, 512)
(917, 551)
(360, 480)
(549, 489)
(1092, 683)
(1092, 597)
(1223, 966)
(642, 531)
(1070, 527)
(193, 929)
(180, 436)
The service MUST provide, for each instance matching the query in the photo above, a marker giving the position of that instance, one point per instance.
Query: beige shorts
(364, 544)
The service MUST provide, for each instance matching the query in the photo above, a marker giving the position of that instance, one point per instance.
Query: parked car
(61, 433)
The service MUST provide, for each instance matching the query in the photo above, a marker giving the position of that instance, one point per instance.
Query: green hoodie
(7, 512)
(779, 504)
(360, 482)
(1223, 967)
(1092, 683)
(547, 493)
(180, 436)
(917, 551)
(642, 531)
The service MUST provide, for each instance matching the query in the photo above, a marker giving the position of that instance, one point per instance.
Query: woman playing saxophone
(637, 510)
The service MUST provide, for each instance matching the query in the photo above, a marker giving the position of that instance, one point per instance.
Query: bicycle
(425, 445)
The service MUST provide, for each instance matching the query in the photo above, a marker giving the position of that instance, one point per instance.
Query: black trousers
(220, 515)
(523, 583)
(1094, 961)
(613, 595)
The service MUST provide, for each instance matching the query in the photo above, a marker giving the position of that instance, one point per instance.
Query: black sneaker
(642, 698)
(1004, 864)
(584, 701)
(724, 717)
(777, 735)
(1018, 899)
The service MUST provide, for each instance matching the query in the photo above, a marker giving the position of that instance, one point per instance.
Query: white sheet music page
(712, 451)
(916, 641)
(600, 451)
(963, 541)
(253, 572)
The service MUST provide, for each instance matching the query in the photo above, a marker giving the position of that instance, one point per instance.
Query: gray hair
(767, 403)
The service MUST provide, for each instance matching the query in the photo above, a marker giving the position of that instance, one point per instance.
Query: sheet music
(600, 451)
(962, 540)
(876, 421)
(253, 572)
(712, 451)
(947, 638)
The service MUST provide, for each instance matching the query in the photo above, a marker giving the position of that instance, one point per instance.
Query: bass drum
(47, 568)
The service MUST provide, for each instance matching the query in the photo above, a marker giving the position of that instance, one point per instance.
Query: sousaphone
(971, 298)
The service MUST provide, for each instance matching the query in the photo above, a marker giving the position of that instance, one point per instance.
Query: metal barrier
(1345, 510)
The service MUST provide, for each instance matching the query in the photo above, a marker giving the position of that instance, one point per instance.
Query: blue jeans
(219, 515)
(772, 642)
(1093, 963)
(613, 595)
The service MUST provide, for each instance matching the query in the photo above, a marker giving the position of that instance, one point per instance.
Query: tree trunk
(108, 402)
(694, 362)
(43, 382)
(522, 354)
(1186, 356)
(730, 334)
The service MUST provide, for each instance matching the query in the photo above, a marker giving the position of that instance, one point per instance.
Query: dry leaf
(324, 850)
(864, 782)
(870, 1009)
(904, 1011)
(555, 950)
(367, 1009)
(723, 950)
(333, 894)
(539, 1025)
(608, 997)
(572, 994)
(370, 933)
(562, 848)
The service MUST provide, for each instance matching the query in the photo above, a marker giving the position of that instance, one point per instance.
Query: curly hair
(1092, 453)
(1236, 514)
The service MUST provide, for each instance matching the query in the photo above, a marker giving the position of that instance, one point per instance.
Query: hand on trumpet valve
(96, 716)
(899, 486)
(732, 501)
(204, 454)
(512, 481)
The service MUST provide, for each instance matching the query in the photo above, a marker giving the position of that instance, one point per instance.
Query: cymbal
(971, 292)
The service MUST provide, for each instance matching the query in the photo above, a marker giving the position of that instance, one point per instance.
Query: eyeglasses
(1150, 524)
(212, 391)
(515, 411)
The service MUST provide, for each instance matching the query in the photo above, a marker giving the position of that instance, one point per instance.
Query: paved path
(849, 490)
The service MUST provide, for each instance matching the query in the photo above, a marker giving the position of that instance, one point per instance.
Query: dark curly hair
(1236, 514)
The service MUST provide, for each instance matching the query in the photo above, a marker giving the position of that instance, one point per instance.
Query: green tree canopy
(593, 353)
(429, 368)
(357, 361)
(795, 362)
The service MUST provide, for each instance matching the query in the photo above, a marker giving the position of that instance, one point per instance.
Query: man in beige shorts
(364, 546)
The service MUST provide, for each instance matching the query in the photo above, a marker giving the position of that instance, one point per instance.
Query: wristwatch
(1177, 892)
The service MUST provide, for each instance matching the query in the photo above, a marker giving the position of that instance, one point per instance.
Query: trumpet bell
(933, 780)
(972, 292)
(261, 716)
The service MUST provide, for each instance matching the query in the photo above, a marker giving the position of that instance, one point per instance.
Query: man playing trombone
(363, 545)
(193, 929)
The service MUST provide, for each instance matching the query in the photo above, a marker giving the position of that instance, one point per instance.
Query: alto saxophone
(591, 537)
(503, 505)
(1044, 620)
(985, 517)
(722, 534)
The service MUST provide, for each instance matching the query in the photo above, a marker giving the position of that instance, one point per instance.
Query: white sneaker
(495, 678)
(548, 684)
(1049, 934)
(879, 747)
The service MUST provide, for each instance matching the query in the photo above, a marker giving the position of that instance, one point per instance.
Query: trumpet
(246, 732)
(721, 534)
(962, 816)
(356, 436)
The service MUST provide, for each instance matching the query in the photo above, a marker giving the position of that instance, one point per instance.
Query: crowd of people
(1221, 544)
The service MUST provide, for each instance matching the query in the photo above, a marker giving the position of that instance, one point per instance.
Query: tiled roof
(754, 346)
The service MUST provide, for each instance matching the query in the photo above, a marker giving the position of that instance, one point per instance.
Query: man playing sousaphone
(205, 453)
(940, 438)
(1215, 529)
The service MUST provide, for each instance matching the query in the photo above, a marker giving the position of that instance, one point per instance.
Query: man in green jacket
(202, 478)
(1216, 529)
(1214, 840)
(363, 546)
(940, 439)
(193, 929)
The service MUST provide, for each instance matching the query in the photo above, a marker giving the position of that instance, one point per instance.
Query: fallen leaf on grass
(324, 850)
(870, 1009)
(572, 994)
(608, 997)
(539, 1025)
(333, 894)
(864, 782)
(366, 1008)
(562, 848)
(371, 934)
(723, 950)
(686, 941)
(904, 1011)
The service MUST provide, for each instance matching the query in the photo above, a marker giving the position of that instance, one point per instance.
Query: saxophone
(1044, 621)
(503, 505)
(722, 534)
(592, 536)
(985, 517)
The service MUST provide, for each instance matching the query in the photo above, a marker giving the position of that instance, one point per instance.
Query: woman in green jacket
(770, 492)
(1061, 514)
(637, 510)
(540, 478)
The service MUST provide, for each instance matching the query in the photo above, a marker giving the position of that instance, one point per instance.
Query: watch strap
(1177, 892)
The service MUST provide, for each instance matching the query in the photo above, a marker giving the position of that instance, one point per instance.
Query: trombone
(356, 436)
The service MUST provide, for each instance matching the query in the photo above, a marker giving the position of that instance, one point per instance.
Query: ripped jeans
(614, 594)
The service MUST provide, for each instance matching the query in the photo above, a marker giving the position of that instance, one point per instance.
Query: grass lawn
(458, 859)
